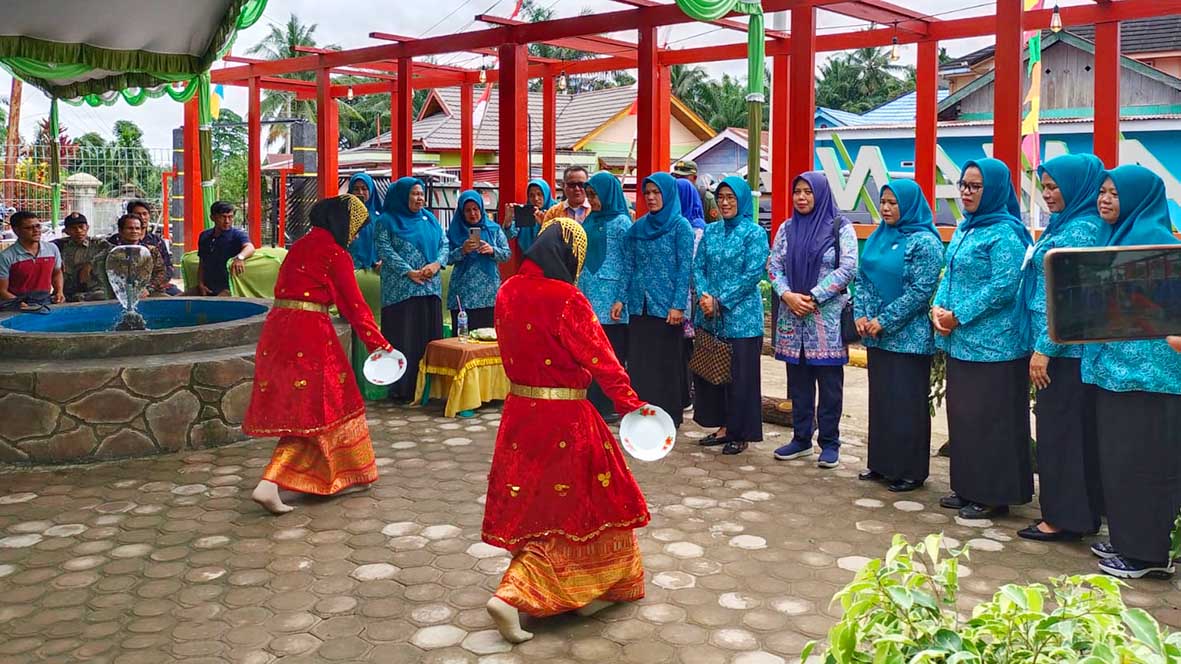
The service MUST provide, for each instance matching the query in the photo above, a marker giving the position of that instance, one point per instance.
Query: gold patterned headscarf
(342, 216)
(560, 250)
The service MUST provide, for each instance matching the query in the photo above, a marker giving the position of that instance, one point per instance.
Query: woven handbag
(712, 357)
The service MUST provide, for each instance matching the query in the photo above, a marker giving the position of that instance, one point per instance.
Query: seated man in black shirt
(216, 246)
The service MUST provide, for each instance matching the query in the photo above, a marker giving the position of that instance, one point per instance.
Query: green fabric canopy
(134, 49)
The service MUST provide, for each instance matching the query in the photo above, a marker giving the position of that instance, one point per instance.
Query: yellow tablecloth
(467, 375)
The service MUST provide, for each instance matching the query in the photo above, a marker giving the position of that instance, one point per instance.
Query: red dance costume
(304, 390)
(560, 494)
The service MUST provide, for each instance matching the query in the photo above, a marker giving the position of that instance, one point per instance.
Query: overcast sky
(350, 29)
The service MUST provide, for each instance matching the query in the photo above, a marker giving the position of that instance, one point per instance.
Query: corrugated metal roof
(901, 109)
(844, 118)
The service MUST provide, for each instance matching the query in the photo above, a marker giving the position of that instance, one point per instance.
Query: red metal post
(1107, 105)
(194, 198)
(513, 93)
(466, 139)
(780, 172)
(254, 163)
(663, 118)
(801, 143)
(647, 125)
(403, 135)
(549, 130)
(1008, 92)
(926, 120)
(327, 137)
(393, 130)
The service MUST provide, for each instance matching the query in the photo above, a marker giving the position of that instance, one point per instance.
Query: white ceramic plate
(384, 367)
(648, 434)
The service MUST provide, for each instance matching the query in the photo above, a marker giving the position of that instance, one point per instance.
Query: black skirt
(1069, 488)
(410, 325)
(988, 423)
(656, 363)
(738, 405)
(476, 319)
(1141, 469)
(617, 335)
(899, 415)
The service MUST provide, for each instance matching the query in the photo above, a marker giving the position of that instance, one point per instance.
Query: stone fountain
(81, 384)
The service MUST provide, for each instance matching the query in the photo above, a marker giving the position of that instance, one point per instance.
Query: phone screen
(1113, 294)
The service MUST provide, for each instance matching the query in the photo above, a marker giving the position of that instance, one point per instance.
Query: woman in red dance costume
(560, 495)
(304, 390)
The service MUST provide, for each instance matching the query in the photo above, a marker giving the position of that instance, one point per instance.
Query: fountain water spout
(129, 269)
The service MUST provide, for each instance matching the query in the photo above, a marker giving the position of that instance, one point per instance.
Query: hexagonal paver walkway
(167, 559)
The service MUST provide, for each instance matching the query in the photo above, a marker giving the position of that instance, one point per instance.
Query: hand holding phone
(525, 215)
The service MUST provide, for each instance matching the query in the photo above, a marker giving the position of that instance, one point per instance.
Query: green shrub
(901, 610)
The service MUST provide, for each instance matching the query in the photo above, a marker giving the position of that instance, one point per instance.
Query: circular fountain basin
(86, 331)
(72, 390)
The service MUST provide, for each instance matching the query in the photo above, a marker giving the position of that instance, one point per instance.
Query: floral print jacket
(906, 327)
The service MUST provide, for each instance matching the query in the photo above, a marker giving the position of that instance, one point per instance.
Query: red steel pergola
(792, 85)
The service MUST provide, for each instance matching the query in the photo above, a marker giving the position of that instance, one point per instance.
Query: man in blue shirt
(216, 246)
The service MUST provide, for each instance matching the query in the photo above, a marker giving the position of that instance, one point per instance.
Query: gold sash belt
(548, 393)
(314, 307)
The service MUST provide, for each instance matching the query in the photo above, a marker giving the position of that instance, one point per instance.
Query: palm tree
(688, 84)
(724, 103)
(281, 43)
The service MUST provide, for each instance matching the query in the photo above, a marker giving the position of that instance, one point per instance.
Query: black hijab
(342, 216)
(557, 250)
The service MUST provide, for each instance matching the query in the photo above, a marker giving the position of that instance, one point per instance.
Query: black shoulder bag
(848, 325)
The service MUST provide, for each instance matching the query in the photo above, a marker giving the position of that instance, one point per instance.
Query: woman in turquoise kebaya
(979, 319)
(898, 272)
(1138, 399)
(1067, 457)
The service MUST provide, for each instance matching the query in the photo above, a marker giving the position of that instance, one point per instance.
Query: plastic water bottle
(461, 322)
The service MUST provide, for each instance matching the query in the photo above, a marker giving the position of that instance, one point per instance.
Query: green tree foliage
(533, 12)
(229, 137)
(860, 80)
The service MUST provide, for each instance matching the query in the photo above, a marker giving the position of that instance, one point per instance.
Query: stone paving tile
(166, 559)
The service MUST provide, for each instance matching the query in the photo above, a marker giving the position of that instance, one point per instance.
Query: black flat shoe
(1036, 534)
(734, 447)
(903, 486)
(976, 511)
(714, 440)
(612, 418)
(952, 502)
(871, 476)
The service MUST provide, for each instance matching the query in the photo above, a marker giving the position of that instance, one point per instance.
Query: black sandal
(734, 447)
(713, 440)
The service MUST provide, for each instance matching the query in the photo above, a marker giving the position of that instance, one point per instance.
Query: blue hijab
(613, 205)
(811, 234)
(1144, 209)
(746, 206)
(457, 231)
(363, 248)
(691, 206)
(998, 200)
(655, 224)
(884, 254)
(527, 235)
(421, 229)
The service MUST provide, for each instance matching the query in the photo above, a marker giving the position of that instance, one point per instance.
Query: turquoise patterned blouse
(609, 285)
(906, 328)
(818, 335)
(658, 271)
(729, 265)
(399, 257)
(1078, 232)
(476, 278)
(1133, 366)
(980, 287)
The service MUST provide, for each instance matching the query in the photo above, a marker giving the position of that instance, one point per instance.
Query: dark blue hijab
(363, 249)
(421, 229)
(655, 224)
(811, 234)
(691, 206)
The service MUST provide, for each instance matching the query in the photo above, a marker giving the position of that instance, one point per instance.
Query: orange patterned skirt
(325, 463)
(555, 575)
